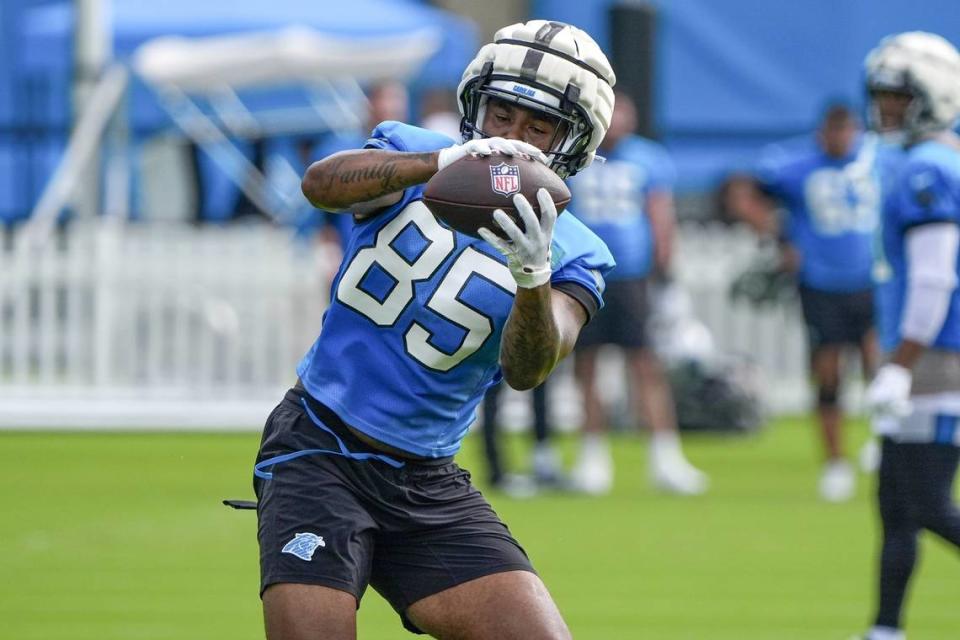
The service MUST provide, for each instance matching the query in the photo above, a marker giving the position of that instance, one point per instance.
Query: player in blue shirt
(355, 477)
(828, 185)
(914, 84)
(628, 202)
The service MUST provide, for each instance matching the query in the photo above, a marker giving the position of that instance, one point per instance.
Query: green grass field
(122, 536)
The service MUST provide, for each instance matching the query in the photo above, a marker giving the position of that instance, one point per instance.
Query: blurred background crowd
(159, 266)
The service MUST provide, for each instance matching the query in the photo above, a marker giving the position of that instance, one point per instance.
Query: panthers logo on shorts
(304, 545)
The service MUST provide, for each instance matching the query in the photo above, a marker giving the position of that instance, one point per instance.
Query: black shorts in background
(836, 318)
(335, 521)
(623, 319)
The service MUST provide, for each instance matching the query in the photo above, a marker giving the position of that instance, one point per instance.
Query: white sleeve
(931, 279)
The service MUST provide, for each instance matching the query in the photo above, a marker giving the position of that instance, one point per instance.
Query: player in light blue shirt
(614, 200)
(628, 202)
(914, 84)
(355, 477)
(827, 185)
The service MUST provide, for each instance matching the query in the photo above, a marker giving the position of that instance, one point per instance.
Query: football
(465, 194)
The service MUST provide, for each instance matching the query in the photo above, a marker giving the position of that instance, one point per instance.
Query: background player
(829, 190)
(628, 202)
(545, 465)
(914, 84)
(355, 477)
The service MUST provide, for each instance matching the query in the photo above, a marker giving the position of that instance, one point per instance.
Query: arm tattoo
(351, 177)
(382, 174)
(380, 178)
(530, 347)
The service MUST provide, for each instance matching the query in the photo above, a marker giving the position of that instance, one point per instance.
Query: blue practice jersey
(925, 190)
(610, 198)
(411, 339)
(833, 206)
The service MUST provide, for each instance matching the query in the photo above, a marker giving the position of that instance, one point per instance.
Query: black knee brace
(828, 396)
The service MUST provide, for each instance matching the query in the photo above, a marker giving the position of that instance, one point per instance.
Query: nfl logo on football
(505, 178)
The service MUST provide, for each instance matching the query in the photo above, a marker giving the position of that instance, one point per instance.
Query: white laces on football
(487, 147)
(528, 251)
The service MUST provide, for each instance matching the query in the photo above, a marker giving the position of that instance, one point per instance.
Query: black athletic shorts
(836, 318)
(623, 319)
(340, 522)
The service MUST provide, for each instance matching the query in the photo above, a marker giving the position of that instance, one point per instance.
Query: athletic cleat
(547, 467)
(882, 633)
(670, 471)
(593, 473)
(674, 474)
(837, 482)
(516, 486)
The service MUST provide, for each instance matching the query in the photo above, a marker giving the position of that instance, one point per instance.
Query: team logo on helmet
(505, 179)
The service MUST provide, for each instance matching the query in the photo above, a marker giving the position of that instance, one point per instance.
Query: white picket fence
(146, 326)
(162, 326)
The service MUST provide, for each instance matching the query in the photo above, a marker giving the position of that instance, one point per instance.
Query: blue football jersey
(926, 190)
(833, 207)
(610, 198)
(411, 339)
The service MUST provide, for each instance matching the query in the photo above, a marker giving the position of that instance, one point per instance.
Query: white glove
(487, 147)
(888, 396)
(528, 253)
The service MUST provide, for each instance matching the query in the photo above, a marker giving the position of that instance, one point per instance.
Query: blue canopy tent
(44, 66)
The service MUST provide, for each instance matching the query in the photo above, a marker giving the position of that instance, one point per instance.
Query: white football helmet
(925, 66)
(550, 67)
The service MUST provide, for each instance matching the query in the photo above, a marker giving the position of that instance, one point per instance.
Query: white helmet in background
(550, 67)
(924, 66)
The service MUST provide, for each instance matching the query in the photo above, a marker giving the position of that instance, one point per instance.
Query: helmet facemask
(895, 132)
(553, 69)
(573, 130)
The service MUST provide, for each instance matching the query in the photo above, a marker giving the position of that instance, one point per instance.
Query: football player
(913, 80)
(355, 474)
(628, 202)
(829, 187)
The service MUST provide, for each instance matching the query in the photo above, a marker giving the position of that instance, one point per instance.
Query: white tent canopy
(296, 54)
(213, 68)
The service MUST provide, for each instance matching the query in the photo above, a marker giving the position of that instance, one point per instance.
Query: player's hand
(527, 252)
(888, 396)
(488, 147)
